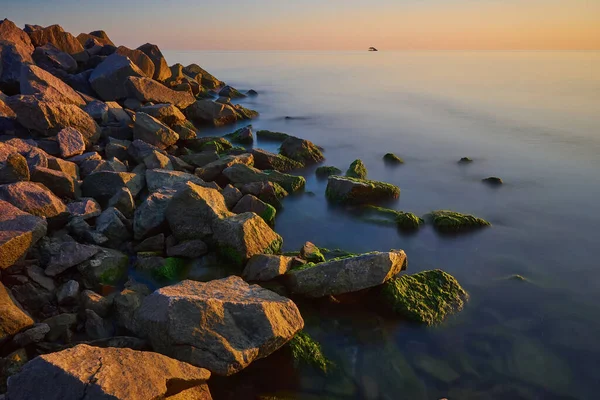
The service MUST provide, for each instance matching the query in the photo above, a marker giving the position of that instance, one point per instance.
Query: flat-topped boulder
(143, 62)
(161, 68)
(50, 58)
(86, 372)
(206, 79)
(266, 160)
(162, 178)
(348, 190)
(208, 112)
(108, 79)
(222, 325)
(62, 40)
(33, 198)
(168, 114)
(301, 150)
(19, 231)
(241, 173)
(70, 142)
(103, 185)
(149, 90)
(212, 170)
(35, 80)
(346, 275)
(12, 318)
(152, 131)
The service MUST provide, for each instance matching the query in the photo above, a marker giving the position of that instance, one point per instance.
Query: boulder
(19, 231)
(61, 184)
(127, 302)
(244, 235)
(104, 373)
(161, 178)
(109, 78)
(48, 118)
(348, 190)
(231, 92)
(152, 131)
(113, 224)
(71, 142)
(266, 160)
(200, 159)
(213, 170)
(346, 275)
(14, 169)
(12, 318)
(96, 327)
(34, 334)
(12, 33)
(99, 36)
(105, 184)
(250, 203)
(37, 275)
(33, 198)
(148, 90)
(301, 150)
(269, 192)
(12, 58)
(206, 79)
(193, 211)
(357, 170)
(123, 201)
(168, 114)
(240, 173)
(154, 243)
(85, 208)
(100, 305)
(143, 62)
(242, 135)
(61, 327)
(98, 110)
(65, 255)
(150, 216)
(239, 323)
(36, 81)
(311, 253)
(117, 114)
(68, 293)
(68, 167)
(138, 150)
(50, 58)
(232, 195)
(161, 68)
(157, 160)
(188, 249)
(62, 40)
(208, 112)
(265, 267)
(106, 267)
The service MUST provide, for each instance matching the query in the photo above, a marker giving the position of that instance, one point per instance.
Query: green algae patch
(302, 267)
(348, 190)
(311, 253)
(112, 275)
(357, 170)
(241, 135)
(324, 172)
(305, 350)
(336, 254)
(274, 247)
(230, 254)
(404, 220)
(171, 270)
(451, 221)
(427, 297)
(391, 158)
(269, 213)
(273, 136)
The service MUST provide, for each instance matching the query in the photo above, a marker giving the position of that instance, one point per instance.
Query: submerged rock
(465, 160)
(270, 161)
(346, 275)
(240, 174)
(357, 170)
(348, 190)
(272, 136)
(324, 172)
(306, 350)
(86, 372)
(222, 325)
(451, 221)
(493, 180)
(427, 297)
(391, 158)
(301, 150)
(404, 220)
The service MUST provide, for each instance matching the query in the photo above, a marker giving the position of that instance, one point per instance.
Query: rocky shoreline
(107, 191)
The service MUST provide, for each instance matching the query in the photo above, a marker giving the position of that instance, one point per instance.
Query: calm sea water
(531, 118)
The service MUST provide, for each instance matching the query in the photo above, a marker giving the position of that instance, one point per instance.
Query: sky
(325, 24)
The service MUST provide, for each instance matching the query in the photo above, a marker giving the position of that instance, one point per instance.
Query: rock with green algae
(270, 161)
(305, 350)
(272, 136)
(301, 150)
(391, 158)
(250, 203)
(347, 190)
(162, 269)
(311, 253)
(106, 267)
(404, 220)
(212, 143)
(324, 172)
(451, 221)
(427, 297)
(241, 173)
(243, 135)
(357, 170)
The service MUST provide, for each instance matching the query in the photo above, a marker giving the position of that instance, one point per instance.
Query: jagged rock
(250, 203)
(71, 142)
(160, 178)
(258, 322)
(98, 110)
(37, 275)
(34, 334)
(49, 118)
(68, 167)
(176, 73)
(188, 249)
(168, 114)
(33, 198)
(68, 254)
(123, 201)
(242, 135)
(50, 58)
(12, 318)
(152, 131)
(232, 195)
(244, 235)
(148, 90)
(359, 191)
(14, 169)
(150, 217)
(231, 92)
(12, 57)
(62, 40)
(241, 173)
(11, 33)
(211, 171)
(201, 159)
(61, 184)
(108, 79)
(156, 160)
(143, 62)
(269, 192)
(36, 81)
(126, 304)
(161, 68)
(105, 184)
(301, 150)
(113, 224)
(96, 327)
(83, 232)
(99, 36)
(346, 275)
(117, 114)
(265, 267)
(154, 243)
(357, 170)
(100, 305)
(209, 112)
(311, 253)
(117, 148)
(206, 79)
(96, 373)
(106, 267)
(68, 293)
(270, 161)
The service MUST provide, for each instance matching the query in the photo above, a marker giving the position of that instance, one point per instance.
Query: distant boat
(373, 49)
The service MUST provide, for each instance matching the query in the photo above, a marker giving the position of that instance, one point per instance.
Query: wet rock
(70, 142)
(264, 267)
(100, 305)
(113, 224)
(208, 112)
(147, 90)
(188, 249)
(211, 171)
(151, 130)
(89, 372)
(12, 318)
(391, 158)
(311, 253)
(301, 150)
(244, 235)
(143, 62)
(34, 334)
(231, 92)
(33, 198)
(61, 184)
(250, 203)
(493, 180)
(36, 81)
(14, 169)
(259, 322)
(243, 135)
(161, 68)
(105, 184)
(324, 172)
(241, 173)
(451, 221)
(168, 114)
(62, 40)
(232, 195)
(271, 161)
(465, 160)
(150, 216)
(86, 208)
(68, 293)
(346, 275)
(252, 93)
(357, 170)
(108, 79)
(359, 191)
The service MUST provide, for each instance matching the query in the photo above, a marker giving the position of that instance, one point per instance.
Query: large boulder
(33, 198)
(51, 59)
(242, 236)
(168, 114)
(149, 90)
(213, 170)
(12, 318)
(19, 231)
(67, 254)
(161, 68)
(35, 80)
(348, 190)
(106, 267)
(152, 131)
(241, 173)
(98, 36)
(204, 77)
(208, 112)
(48, 118)
(150, 217)
(194, 210)
(62, 40)
(162, 178)
(11, 33)
(301, 150)
(12, 58)
(103, 185)
(60, 183)
(266, 160)
(222, 325)
(109, 78)
(86, 372)
(346, 275)
(140, 59)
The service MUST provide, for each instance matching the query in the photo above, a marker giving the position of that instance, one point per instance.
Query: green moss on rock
(171, 270)
(357, 170)
(391, 158)
(324, 172)
(274, 136)
(347, 190)
(305, 350)
(427, 297)
(269, 213)
(451, 221)
(404, 220)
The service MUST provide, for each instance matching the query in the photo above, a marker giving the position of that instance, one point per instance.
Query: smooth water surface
(531, 118)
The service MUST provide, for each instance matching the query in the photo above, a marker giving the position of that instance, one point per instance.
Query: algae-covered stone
(243, 135)
(357, 170)
(264, 267)
(240, 173)
(493, 180)
(270, 161)
(404, 220)
(301, 150)
(324, 172)
(307, 351)
(250, 203)
(162, 269)
(465, 160)
(451, 221)
(427, 297)
(348, 190)
(231, 92)
(391, 158)
(311, 253)
(272, 136)
(107, 267)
